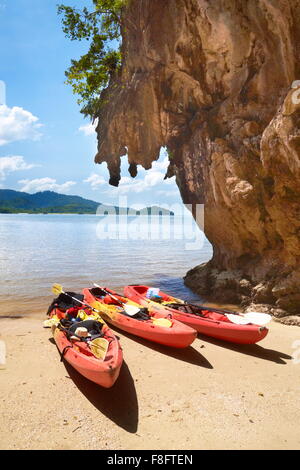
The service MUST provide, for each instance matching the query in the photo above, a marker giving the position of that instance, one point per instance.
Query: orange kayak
(103, 372)
(208, 322)
(176, 335)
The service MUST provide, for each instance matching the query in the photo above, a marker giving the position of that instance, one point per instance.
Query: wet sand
(213, 395)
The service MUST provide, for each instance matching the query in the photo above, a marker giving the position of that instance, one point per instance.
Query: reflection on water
(38, 250)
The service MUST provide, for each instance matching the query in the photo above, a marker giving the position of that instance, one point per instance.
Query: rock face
(212, 82)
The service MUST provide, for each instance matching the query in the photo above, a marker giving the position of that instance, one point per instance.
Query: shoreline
(224, 391)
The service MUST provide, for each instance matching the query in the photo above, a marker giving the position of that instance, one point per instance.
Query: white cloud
(161, 165)
(95, 181)
(45, 184)
(174, 193)
(17, 124)
(13, 163)
(152, 179)
(126, 184)
(89, 129)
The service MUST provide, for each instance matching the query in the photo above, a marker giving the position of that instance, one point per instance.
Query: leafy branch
(92, 72)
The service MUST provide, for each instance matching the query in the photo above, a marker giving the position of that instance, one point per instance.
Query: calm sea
(77, 250)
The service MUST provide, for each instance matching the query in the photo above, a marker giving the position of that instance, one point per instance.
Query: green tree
(92, 72)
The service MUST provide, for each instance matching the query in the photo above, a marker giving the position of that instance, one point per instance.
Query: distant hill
(43, 202)
(50, 202)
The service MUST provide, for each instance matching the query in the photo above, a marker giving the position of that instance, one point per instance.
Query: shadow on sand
(118, 403)
(11, 317)
(190, 355)
(175, 286)
(249, 349)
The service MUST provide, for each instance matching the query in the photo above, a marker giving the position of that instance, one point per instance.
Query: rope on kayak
(64, 352)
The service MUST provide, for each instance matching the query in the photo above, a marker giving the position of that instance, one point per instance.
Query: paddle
(257, 318)
(132, 310)
(57, 290)
(99, 347)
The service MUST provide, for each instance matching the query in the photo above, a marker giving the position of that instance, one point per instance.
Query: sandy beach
(212, 395)
(153, 144)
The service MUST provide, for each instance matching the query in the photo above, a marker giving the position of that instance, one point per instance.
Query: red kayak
(78, 354)
(207, 322)
(146, 324)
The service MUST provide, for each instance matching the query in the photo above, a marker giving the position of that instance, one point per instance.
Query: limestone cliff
(211, 81)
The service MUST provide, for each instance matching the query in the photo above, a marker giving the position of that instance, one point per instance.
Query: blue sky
(45, 143)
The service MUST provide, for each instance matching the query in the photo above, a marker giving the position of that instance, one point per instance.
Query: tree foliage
(101, 27)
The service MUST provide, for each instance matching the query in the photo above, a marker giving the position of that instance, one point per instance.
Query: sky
(45, 142)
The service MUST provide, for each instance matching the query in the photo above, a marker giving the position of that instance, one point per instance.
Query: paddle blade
(255, 318)
(57, 289)
(164, 322)
(238, 319)
(99, 347)
(258, 318)
(131, 310)
(96, 306)
(52, 321)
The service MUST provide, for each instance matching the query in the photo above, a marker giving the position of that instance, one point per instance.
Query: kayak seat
(103, 297)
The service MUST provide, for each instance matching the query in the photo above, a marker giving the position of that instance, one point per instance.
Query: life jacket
(63, 302)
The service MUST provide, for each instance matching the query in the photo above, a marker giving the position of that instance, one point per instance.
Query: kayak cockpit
(103, 297)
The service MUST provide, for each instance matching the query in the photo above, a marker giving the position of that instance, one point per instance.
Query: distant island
(50, 202)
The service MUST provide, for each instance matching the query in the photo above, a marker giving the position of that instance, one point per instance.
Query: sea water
(78, 250)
